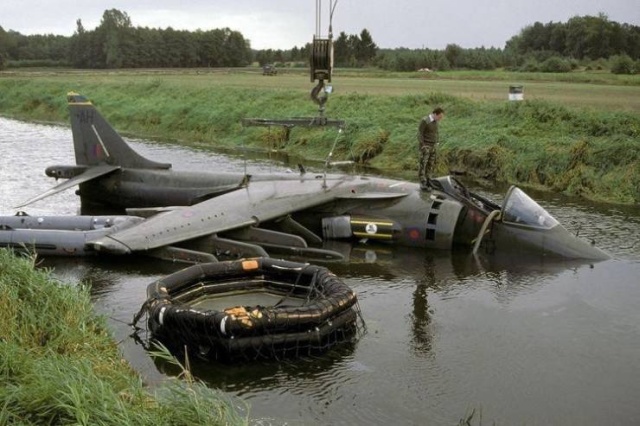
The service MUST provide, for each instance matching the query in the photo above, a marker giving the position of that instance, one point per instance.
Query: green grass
(595, 90)
(60, 365)
(575, 138)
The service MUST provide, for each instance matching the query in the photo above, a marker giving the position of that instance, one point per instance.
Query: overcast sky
(283, 24)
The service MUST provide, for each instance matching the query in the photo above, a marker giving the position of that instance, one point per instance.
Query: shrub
(555, 64)
(530, 65)
(369, 145)
(574, 64)
(622, 64)
(599, 64)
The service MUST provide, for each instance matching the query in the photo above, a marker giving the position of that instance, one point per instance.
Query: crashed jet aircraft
(243, 215)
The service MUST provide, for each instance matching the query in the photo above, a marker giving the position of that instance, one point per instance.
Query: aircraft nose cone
(109, 245)
(556, 241)
(560, 241)
(581, 249)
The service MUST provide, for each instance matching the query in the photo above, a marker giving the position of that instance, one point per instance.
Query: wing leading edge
(91, 173)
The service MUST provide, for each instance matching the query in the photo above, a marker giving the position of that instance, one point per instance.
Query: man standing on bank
(428, 139)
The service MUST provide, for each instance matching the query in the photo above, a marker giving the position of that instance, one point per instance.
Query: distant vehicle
(269, 69)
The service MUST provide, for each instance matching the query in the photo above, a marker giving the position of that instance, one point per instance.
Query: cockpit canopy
(520, 209)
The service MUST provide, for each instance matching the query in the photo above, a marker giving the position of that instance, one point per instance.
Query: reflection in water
(421, 333)
(425, 269)
(104, 274)
(242, 377)
(526, 340)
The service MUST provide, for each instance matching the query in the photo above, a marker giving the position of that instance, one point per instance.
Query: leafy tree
(237, 49)
(557, 37)
(597, 35)
(581, 37)
(631, 35)
(354, 50)
(454, 53)
(365, 48)
(33, 50)
(116, 35)
(78, 52)
(3, 36)
(4, 46)
(294, 55)
(442, 63)
(537, 36)
(341, 50)
(149, 51)
(115, 43)
(480, 59)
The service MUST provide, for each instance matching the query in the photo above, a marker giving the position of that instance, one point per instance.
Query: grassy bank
(59, 364)
(545, 142)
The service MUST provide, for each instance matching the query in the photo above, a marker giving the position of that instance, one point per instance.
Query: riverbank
(589, 152)
(60, 364)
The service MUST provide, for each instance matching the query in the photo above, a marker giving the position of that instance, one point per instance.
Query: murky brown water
(524, 341)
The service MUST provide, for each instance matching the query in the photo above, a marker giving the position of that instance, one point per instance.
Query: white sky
(283, 24)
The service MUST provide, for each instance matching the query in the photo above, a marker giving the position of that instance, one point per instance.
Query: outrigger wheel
(321, 59)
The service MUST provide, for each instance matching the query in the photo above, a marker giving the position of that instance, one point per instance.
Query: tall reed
(60, 365)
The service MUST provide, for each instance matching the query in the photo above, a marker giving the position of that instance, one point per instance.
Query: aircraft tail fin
(96, 142)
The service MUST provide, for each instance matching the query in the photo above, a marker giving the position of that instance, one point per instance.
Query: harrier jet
(238, 214)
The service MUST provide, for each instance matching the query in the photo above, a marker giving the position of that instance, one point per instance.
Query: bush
(574, 64)
(555, 64)
(38, 63)
(599, 64)
(622, 64)
(530, 65)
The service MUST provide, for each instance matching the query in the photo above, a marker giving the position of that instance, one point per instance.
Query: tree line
(590, 37)
(553, 47)
(348, 51)
(115, 43)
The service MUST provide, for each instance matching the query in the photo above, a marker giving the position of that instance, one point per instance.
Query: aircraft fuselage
(154, 188)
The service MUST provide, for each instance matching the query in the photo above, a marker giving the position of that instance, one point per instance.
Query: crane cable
(322, 49)
(332, 8)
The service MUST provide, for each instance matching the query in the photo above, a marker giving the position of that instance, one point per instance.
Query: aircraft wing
(91, 173)
(260, 201)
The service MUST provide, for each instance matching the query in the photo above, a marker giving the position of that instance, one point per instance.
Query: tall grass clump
(59, 364)
(537, 143)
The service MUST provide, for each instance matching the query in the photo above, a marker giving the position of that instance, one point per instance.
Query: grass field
(591, 90)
